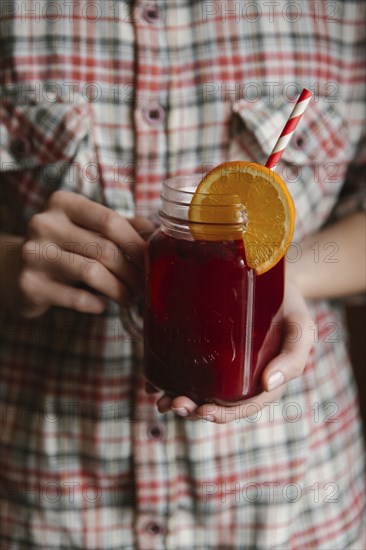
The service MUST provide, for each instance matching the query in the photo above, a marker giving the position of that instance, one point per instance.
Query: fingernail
(209, 418)
(181, 411)
(275, 380)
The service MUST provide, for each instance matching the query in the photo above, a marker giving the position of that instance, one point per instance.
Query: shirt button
(154, 114)
(299, 142)
(155, 528)
(20, 147)
(150, 13)
(156, 431)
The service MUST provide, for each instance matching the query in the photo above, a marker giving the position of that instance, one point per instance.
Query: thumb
(291, 360)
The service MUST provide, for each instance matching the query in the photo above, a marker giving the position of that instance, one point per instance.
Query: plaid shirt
(108, 99)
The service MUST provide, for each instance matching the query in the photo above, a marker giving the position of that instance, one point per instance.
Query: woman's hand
(289, 364)
(77, 242)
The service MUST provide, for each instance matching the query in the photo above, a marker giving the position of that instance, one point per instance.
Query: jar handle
(130, 318)
(132, 322)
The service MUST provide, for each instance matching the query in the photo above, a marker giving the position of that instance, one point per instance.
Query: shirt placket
(150, 456)
(150, 114)
(152, 475)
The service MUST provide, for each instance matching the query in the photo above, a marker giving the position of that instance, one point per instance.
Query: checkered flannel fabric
(107, 99)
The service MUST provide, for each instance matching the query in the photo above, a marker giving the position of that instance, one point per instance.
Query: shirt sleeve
(352, 197)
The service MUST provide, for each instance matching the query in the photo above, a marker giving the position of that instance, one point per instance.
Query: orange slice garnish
(270, 211)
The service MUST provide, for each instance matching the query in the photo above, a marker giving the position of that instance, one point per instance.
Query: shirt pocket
(313, 164)
(44, 147)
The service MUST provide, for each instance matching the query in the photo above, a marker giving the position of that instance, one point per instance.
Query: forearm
(331, 263)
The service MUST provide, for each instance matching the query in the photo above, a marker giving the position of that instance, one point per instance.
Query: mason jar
(211, 324)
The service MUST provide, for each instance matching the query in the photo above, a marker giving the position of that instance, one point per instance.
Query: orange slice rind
(245, 200)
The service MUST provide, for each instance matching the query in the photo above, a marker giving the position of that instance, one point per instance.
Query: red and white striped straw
(289, 128)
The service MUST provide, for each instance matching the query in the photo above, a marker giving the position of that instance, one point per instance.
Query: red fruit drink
(211, 324)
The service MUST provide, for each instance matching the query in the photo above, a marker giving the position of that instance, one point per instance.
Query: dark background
(356, 316)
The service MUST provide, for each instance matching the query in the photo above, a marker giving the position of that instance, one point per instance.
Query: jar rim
(223, 215)
(177, 192)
